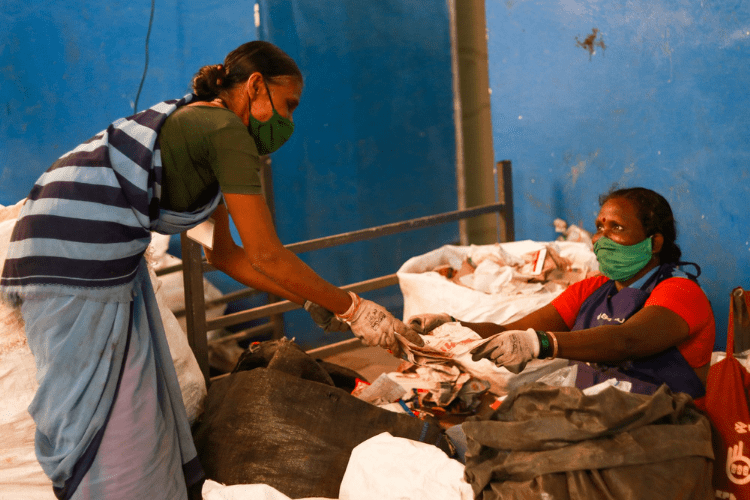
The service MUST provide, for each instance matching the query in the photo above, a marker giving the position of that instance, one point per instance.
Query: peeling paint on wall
(591, 42)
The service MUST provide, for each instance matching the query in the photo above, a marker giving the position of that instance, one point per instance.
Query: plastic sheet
(392, 468)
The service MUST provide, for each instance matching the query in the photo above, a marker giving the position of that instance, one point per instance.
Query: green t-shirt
(202, 146)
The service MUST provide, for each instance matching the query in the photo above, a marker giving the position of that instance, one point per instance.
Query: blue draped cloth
(109, 413)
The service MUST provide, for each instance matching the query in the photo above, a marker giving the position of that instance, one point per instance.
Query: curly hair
(656, 216)
(257, 56)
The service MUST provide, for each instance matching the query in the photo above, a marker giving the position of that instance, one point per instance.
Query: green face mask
(622, 262)
(271, 134)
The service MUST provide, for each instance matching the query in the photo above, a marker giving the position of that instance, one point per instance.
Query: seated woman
(644, 320)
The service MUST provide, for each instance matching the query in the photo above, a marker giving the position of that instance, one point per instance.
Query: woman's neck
(654, 262)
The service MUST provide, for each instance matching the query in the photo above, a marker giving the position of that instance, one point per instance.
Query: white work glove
(425, 323)
(325, 318)
(511, 349)
(373, 324)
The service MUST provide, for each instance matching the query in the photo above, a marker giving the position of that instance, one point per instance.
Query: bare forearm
(236, 265)
(651, 330)
(291, 273)
(603, 344)
(545, 318)
(265, 254)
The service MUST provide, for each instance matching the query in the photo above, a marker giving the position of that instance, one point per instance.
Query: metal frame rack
(194, 265)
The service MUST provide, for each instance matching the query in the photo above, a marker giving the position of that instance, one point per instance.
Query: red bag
(728, 408)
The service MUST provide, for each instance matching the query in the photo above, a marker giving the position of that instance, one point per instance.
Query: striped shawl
(88, 219)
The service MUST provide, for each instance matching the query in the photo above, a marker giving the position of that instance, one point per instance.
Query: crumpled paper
(448, 348)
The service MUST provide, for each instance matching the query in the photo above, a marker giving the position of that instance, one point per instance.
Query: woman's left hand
(511, 349)
(425, 323)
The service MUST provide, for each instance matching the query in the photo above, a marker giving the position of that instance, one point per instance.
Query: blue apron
(607, 306)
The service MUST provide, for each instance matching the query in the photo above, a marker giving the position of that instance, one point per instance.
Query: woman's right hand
(375, 326)
(425, 323)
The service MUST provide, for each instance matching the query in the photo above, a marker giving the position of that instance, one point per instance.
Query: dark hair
(655, 215)
(263, 57)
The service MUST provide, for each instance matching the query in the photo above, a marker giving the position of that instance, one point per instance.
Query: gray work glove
(511, 349)
(425, 323)
(325, 318)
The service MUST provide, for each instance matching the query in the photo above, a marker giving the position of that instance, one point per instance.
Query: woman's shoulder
(682, 295)
(580, 290)
(679, 283)
(590, 283)
(202, 113)
(206, 125)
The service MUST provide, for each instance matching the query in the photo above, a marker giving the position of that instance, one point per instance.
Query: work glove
(425, 323)
(325, 318)
(375, 326)
(511, 349)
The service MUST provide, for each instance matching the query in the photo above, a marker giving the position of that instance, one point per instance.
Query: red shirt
(680, 295)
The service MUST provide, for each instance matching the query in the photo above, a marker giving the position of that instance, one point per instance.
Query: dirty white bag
(426, 291)
(189, 374)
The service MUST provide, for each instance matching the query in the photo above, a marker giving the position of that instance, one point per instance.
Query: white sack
(217, 491)
(393, 468)
(426, 291)
(21, 476)
(189, 374)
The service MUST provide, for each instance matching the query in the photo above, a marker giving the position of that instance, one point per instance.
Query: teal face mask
(622, 262)
(271, 134)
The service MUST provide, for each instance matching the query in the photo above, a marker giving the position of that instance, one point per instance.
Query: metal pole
(458, 123)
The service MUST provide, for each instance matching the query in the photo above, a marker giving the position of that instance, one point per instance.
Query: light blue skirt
(110, 418)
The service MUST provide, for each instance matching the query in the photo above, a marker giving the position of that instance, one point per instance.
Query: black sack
(286, 355)
(296, 435)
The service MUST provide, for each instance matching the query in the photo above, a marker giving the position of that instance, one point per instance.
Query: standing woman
(643, 320)
(110, 419)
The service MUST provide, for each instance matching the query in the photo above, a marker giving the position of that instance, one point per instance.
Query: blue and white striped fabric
(88, 219)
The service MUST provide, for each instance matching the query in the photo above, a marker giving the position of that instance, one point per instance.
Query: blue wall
(664, 105)
(69, 69)
(374, 136)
